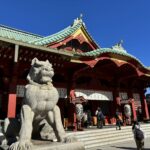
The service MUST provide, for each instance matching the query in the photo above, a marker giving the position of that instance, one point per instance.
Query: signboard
(94, 95)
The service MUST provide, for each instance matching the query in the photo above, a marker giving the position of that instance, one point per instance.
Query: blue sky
(108, 21)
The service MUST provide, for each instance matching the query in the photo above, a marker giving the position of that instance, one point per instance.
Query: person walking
(139, 135)
(89, 118)
(118, 120)
(100, 118)
(85, 116)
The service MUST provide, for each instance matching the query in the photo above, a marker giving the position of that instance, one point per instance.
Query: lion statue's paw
(24, 145)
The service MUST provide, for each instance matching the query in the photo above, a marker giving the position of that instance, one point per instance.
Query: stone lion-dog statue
(39, 103)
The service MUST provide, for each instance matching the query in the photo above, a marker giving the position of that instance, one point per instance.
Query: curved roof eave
(98, 52)
(89, 35)
(61, 35)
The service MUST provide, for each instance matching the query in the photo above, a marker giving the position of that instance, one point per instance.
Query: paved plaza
(129, 145)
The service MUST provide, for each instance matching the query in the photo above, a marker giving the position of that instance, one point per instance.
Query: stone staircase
(100, 137)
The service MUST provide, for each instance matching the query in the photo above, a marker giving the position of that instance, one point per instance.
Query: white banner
(94, 95)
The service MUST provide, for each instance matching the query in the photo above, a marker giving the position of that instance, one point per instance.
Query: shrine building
(84, 72)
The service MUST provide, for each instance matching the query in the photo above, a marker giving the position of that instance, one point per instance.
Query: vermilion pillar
(13, 86)
(144, 107)
(131, 101)
(72, 95)
(11, 106)
(12, 98)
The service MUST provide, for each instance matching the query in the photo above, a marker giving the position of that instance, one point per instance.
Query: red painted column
(131, 101)
(144, 107)
(11, 112)
(11, 106)
(72, 94)
(133, 109)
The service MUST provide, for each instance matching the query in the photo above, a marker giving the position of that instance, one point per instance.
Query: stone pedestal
(43, 145)
(47, 145)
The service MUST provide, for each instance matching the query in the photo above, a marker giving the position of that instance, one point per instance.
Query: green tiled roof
(34, 39)
(59, 35)
(98, 52)
(18, 35)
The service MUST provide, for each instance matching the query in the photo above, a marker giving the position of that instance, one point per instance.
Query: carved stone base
(58, 146)
(47, 145)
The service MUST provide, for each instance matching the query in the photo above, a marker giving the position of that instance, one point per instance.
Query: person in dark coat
(89, 118)
(118, 120)
(100, 117)
(139, 135)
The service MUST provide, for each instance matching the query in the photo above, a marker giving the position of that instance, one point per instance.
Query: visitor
(89, 118)
(139, 135)
(118, 119)
(85, 119)
(100, 118)
(139, 114)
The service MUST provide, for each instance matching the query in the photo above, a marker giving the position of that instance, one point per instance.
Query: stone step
(100, 137)
(94, 131)
(105, 133)
(88, 137)
(109, 141)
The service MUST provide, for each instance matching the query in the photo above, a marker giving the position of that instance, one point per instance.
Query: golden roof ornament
(78, 20)
(119, 46)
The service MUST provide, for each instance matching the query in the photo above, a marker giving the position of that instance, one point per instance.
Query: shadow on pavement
(128, 148)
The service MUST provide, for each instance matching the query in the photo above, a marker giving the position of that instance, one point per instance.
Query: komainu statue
(39, 104)
(79, 114)
(127, 112)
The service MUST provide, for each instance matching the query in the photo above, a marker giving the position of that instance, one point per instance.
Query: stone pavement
(129, 145)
